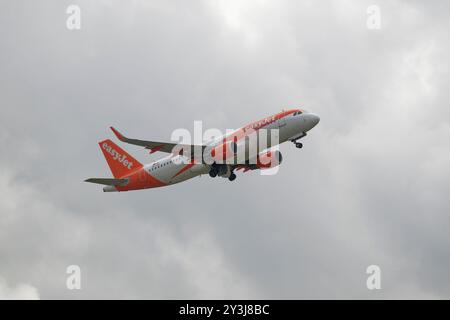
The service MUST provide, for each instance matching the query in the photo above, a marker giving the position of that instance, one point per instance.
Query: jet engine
(224, 151)
(269, 159)
(250, 146)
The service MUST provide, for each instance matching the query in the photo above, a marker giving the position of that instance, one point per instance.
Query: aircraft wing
(155, 146)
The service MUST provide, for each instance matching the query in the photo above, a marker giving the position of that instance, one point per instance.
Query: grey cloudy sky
(369, 187)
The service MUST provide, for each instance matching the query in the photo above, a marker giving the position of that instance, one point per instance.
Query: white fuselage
(173, 168)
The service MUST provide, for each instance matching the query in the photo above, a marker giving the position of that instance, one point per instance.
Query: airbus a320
(222, 156)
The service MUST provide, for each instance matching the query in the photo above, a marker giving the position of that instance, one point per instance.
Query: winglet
(118, 134)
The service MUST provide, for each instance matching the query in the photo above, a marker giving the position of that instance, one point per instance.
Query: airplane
(180, 164)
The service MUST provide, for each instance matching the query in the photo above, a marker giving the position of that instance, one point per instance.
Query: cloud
(369, 187)
(21, 291)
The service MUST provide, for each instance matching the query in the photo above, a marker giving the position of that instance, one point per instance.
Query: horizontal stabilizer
(108, 181)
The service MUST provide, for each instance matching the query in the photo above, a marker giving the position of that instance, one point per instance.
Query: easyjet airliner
(221, 156)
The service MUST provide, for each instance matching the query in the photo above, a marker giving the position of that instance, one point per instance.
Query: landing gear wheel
(299, 145)
(232, 177)
(213, 173)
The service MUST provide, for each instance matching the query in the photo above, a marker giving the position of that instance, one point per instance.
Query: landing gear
(213, 173)
(295, 140)
(222, 170)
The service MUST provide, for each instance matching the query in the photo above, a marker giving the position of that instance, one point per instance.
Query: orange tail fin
(119, 161)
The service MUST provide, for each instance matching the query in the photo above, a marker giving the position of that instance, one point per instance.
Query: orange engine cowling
(224, 151)
(269, 159)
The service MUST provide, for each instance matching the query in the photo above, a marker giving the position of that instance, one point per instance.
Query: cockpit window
(297, 112)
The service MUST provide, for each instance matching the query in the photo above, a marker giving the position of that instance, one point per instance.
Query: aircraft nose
(314, 119)
(311, 120)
